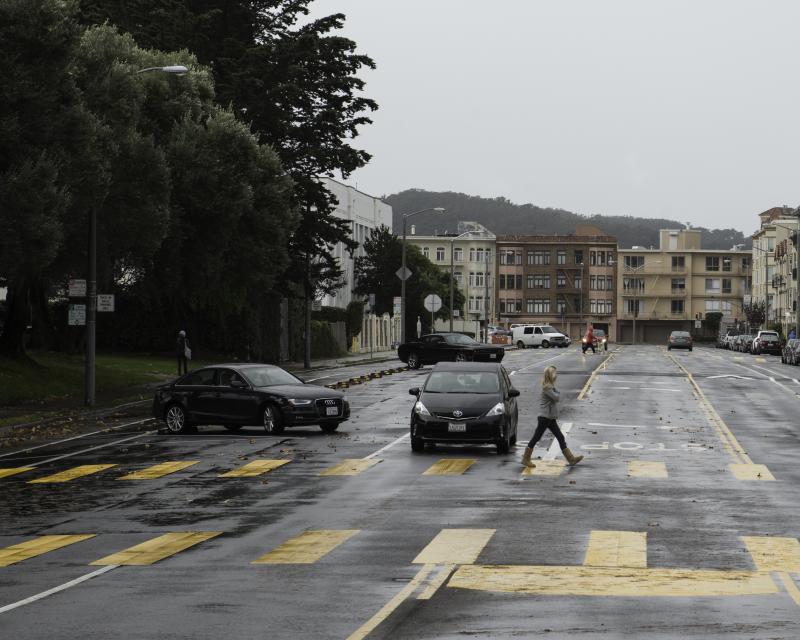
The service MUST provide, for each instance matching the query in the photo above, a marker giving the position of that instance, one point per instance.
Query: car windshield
(599, 333)
(680, 334)
(268, 376)
(462, 382)
(768, 337)
(458, 338)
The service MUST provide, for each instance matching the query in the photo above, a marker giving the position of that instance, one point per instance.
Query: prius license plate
(456, 426)
(492, 355)
(331, 411)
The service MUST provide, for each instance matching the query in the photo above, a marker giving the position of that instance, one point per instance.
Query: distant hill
(502, 217)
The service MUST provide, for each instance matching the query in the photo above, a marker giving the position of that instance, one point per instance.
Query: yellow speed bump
(158, 470)
(616, 549)
(158, 548)
(254, 468)
(350, 467)
(308, 547)
(450, 467)
(455, 546)
(751, 472)
(549, 468)
(647, 469)
(38, 546)
(774, 553)
(72, 474)
(12, 471)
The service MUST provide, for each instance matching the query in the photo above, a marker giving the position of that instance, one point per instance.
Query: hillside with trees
(503, 217)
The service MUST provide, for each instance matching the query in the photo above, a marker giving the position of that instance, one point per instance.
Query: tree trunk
(12, 342)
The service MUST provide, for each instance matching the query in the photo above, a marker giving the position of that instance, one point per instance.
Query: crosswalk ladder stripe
(254, 468)
(159, 470)
(158, 548)
(308, 547)
(72, 474)
(37, 546)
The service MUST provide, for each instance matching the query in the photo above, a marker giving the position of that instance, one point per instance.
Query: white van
(538, 335)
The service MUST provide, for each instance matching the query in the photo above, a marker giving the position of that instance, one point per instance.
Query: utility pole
(91, 311)
(486, 296)
(452, 266)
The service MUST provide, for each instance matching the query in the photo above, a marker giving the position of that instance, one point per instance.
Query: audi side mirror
(513, 393)
(238, 384)
(414, 391)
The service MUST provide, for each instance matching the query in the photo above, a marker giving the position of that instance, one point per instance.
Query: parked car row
(758, 343)
(791, 352)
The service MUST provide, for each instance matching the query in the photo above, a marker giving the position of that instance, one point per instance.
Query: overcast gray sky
(682, 109)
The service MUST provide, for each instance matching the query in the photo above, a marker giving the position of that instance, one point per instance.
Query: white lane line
(555, 449)
(634, 381)
(648, 389)
(771, 378)
(617, 426)
(561, 355)
(99, 446)
(83, 435)
(61, 587)
(388, 446)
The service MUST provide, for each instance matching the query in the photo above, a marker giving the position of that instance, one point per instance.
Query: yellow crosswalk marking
(159, 470)
(546, 468)
(773, 553)
(455, 546)
(308, 547)
(611, 581)
(761, 359)
(158, 548)
(450, 467)
(12, 471)
(38, 546)
(350, 467)
(616, 549)
(647, 469)
(751, 472)
(254, 468)
(75, 472)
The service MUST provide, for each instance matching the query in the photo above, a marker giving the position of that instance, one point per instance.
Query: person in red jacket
(588, 340)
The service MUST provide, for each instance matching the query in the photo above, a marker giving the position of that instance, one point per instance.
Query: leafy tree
(712, 321)
(755, 312)
(375, 273)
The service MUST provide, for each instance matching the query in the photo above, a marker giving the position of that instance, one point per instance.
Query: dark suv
(767, 342)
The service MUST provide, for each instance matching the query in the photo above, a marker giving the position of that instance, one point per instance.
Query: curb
(374, 375)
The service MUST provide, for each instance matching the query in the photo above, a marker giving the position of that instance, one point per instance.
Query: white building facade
(365, 213)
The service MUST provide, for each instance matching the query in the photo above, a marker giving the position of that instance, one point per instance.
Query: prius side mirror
(414, 391)
(513, 393)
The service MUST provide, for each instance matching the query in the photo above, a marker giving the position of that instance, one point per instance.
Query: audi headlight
(421, 410)
(497, 410)
(297, 402)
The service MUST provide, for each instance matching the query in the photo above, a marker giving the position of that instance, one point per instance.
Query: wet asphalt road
(672, 527)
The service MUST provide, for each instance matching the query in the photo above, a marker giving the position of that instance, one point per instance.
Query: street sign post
(105, 302)
(397, 302)
(404, 273)
(77, 288)
(76, 315)
(432, 303)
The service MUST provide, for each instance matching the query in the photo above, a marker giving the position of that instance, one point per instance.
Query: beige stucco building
(470, 254)
(670, 288)
(775, 265)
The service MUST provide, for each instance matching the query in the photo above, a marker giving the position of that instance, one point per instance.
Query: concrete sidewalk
(345, 361)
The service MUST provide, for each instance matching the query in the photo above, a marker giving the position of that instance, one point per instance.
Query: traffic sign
(77, 314)
(404, 273)
(77, 288)
(105, 302)
(432, 302)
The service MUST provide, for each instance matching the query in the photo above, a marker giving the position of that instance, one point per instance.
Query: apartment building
(775, 265)
(674, 286)
(469, 254)
(566, 281)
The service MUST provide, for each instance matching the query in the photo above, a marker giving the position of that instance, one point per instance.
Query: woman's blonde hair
(549, 378)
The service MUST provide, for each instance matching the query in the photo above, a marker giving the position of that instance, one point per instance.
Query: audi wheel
(271, 419)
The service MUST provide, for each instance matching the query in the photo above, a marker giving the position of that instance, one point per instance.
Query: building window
(426, 252)
(530, 257)
(633, 285)
(712, 285)
(634, 262)
(458, 254)
(471, 278)
(676, 306)
(678, 263)
(712, 263)
(578, 281)
(727, 285)
(519, 281)
(592, 258)
(458, 277)
(529, 282)
(678, 285)
(578, 256)
(601, 258)
(713, 305)
(541, 281)
(479, 279)
(541, 257)
(632, 307)
(577, 303)
(561, 257)
(561, 306)
(610, 258)
(539, 305)
(593, 306)
(507, 257)
(727, 263)
(561, 280)
(439, 254)
(745, 263)
(593, 283)
(609, 283)
(727, 307)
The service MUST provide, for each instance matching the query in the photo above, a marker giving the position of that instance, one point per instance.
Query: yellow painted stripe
(546, 468)
(647, 469)
(589, 382)
(773, 553)
(751, 472)
(616, 549)
(791, 587)
(158, 548)
(761, 359)
(386, 610)
(159, 470)
(455, 546)
(350, 467)
(438, 581)
(449, 467)
(38, 546)
(308, 547)
(12, 471)
(611, 581)
(75, 472)
(254, 468)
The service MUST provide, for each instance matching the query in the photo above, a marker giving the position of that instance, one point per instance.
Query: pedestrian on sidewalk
(588, 339)
(548, 413)
(183, 352)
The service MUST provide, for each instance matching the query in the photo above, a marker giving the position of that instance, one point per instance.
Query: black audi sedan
(465, 403)
(238, 395)
(447, 347)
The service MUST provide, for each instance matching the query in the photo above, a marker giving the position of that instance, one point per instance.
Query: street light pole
(91, 281)
(406, 216)
(452, 267)
(486, 296)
